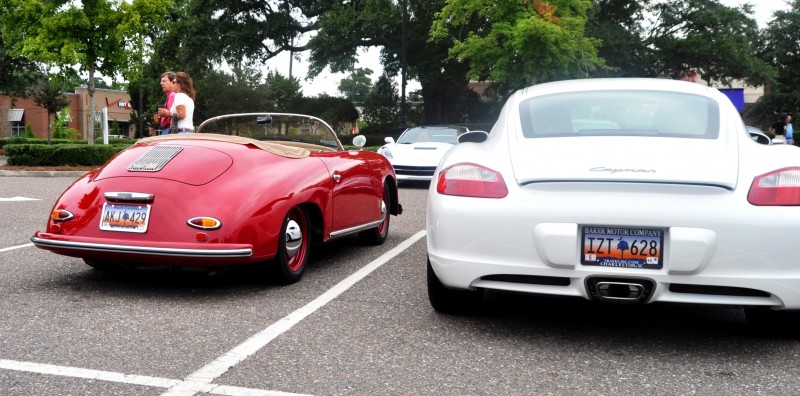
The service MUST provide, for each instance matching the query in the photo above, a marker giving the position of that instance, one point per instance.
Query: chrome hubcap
(294, 239)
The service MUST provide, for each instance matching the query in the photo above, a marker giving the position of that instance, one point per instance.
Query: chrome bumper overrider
(152, 251)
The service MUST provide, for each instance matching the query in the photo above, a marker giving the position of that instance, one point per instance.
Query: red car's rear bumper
(162, 252)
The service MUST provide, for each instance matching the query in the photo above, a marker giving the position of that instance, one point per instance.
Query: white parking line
(131, 379)
(18, 199)
(222, 364)
(15, 247)
(201, 381)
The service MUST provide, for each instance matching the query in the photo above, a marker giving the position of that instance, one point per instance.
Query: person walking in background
(162, 117)
(787, 119)
(182, 108)
(779, 129)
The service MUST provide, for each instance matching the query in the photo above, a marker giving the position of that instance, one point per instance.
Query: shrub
(99, 140)
(60, 154)
(22, 140)
(29, 131)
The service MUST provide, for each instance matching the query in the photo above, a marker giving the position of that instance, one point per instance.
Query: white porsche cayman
(419, 149)
(617, 190)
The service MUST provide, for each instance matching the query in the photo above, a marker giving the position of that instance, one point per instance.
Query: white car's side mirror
(389, 139)
(359, 141)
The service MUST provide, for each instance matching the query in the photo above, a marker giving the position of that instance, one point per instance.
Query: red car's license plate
(125, 218)
(625, 247)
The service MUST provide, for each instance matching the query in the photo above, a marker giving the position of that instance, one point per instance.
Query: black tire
(766, 322)
(378, 235)
(451, 301)
(294, 246)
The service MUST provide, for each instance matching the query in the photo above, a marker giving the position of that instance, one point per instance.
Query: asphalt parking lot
(359, 323)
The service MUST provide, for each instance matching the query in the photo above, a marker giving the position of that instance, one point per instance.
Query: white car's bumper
(718, 249)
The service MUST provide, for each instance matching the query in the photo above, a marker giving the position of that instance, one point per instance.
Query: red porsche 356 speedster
(245, 188)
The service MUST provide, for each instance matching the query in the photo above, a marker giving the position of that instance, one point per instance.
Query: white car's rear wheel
(452, 301)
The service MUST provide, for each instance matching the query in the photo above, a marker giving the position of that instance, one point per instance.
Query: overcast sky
(328, 82)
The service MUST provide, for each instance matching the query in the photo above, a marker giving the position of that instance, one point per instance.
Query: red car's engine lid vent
(155, 159)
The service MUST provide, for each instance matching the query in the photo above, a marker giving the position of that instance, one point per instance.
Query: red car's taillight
(777, 188)
(471, 180)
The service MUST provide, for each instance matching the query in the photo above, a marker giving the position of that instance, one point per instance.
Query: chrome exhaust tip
(625, 291)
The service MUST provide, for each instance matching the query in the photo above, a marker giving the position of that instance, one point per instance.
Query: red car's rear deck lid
(186, 164)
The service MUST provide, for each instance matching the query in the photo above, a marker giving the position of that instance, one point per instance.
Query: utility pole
(403, 65)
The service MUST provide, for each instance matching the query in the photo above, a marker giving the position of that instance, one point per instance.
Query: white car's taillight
(471, 180)
(777, 188)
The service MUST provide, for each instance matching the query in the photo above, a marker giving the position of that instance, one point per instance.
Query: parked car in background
(418, 150)
(247, 188)
(675, 203)
(758, 135)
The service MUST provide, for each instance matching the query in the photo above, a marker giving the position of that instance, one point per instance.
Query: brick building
(16, 113)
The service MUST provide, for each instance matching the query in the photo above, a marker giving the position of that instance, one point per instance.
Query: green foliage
(355, 87)
(60, 154)
(380, 106)
(240, 91)
(780, 48)
(24, 140)
(115, 141)
(67, 134)
(94, 35)
(49, 95)
(282, 91)
(29, 131)
(338, 112)
(667, 39)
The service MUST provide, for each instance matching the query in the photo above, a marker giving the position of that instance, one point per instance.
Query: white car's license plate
(125, 218)
(625, 247)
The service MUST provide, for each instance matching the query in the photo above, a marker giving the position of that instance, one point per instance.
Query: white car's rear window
(620, 113)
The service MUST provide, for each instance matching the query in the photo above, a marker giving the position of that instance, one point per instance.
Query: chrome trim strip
(60, 220)
(171, 252)
(123, 196)
(353, 230)
(199, 227)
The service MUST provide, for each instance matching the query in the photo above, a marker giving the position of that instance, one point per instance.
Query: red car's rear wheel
(293, 249)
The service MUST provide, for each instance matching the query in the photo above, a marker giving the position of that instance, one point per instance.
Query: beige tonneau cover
(272, 147)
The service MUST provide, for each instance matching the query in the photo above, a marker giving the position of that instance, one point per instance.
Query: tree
(380, 105)
(519, 44)
(356, 86)
(780, 49)
(17, 74)
(282, 91)
(90, 34)
(348, 27)
(654, 38)
(338, 112)
(49, 95)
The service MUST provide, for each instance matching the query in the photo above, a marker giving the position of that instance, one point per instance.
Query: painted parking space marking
(201, 381)
(18, 199)
(222, 364)
(131, 379)
(16, 247)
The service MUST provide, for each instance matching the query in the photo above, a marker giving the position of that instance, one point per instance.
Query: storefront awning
(15, 115)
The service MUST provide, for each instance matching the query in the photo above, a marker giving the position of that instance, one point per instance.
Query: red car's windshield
(277, 127)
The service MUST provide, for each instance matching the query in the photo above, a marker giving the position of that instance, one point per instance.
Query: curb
(42, 173)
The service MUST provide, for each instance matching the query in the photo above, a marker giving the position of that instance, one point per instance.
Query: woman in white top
(183, 104)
